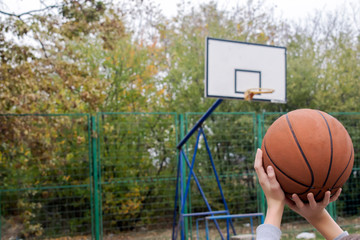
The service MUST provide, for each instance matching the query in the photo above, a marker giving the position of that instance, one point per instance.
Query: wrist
(321, 216)
(274, 213)
(324, 223)
(275, 205)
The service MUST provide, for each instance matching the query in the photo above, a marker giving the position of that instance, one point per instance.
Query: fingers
(271, 175)
(336, 196)
(259, 168)
(258, 159)
(326, 199)
(297, 201)
(313, 204)
(291, 204)
(258, 164)
(311, 200)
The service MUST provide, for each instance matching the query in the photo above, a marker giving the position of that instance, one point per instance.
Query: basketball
(310, 151)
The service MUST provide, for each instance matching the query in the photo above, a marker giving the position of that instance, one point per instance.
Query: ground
(290, 230)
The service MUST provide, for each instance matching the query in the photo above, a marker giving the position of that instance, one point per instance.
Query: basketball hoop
(249, 94)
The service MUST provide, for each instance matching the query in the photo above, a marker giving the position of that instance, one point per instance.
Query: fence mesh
(138, 160)
(232, 142)
(44, 172)
(348, 206)
(115, 174)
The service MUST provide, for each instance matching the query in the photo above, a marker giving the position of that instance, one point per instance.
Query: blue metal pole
(197, 228)
(202, 194)
(184, 194)
(191, 170)
(198, 124)
(252, 225)
(245, 215)
(206, 229)
(227, 229)
(204, 213)
(179, 146)
(216, 176)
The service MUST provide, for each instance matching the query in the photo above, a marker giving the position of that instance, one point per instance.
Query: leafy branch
(29, 12)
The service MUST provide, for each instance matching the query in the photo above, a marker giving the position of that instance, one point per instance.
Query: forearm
(326, 225)
(274, 215)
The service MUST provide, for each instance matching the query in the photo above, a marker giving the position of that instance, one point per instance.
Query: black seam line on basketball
(347, 165)
(317, 194)
(331, 149)
(301, 150)
(302, 184)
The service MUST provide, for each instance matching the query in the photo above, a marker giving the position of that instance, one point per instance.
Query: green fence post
(95, 178)
(332, 210)
(261, 195)
(189, 222)
(89, 127)
(0, 215)
(183, 174)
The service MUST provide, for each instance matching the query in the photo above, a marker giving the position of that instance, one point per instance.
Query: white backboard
(232, 67)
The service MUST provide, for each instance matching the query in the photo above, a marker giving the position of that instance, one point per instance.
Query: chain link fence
(232, 139)
(137, 155)
(113, 175)
(45, 176)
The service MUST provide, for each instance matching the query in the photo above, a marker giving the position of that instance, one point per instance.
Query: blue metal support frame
(210, 215)
(229, 217)
(217, 178)
(199, 123)
(197, 227)
(183, 197)
(184, 194)
(202, 194)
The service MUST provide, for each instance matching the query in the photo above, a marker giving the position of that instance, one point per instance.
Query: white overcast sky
(289, 9)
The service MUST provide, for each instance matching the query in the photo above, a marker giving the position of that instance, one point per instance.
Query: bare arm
(275, 196)
(316, 214)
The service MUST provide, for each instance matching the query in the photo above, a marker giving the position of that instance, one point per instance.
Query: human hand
(271, 187)
(312, 210)
(316, 214)
(275, 196)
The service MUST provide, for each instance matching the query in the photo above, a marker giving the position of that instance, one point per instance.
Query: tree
(183, 42)
(87, 56)
(81, 61)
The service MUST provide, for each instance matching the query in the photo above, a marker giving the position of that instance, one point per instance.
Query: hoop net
(250, 93)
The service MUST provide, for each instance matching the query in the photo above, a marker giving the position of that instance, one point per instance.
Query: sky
(287, 9)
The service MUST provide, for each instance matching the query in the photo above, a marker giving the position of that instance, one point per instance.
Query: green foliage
(183, 42)
(138, 152)
(44, 170)
(320, 77)
(87, 57)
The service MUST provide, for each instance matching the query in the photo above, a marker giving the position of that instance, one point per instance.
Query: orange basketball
(310, 151)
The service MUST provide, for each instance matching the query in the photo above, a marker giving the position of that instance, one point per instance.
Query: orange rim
(250, 93)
